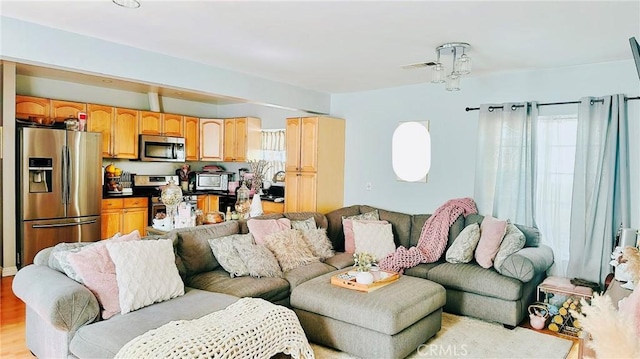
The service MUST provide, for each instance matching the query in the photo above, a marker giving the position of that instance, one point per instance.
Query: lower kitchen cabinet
(208, 203)
(272, 207)
(124, 215)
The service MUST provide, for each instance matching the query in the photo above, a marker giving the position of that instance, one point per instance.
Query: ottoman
(389, 322)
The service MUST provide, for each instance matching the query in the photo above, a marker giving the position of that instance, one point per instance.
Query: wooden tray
(352, 284)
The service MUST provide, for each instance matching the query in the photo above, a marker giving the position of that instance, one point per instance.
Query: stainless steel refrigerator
(59, 189)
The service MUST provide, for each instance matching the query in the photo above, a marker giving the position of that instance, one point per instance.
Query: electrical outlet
(368, 186)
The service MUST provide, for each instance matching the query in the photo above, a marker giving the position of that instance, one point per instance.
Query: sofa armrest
(65, 303)
(527, 262)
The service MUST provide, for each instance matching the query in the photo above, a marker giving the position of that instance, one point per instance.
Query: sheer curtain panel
(505, 164)
(273, 151)
(601, 192)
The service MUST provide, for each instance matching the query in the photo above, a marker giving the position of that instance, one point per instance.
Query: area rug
(464, 337)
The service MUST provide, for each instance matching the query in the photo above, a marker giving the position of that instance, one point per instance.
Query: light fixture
(460, 64)
(131, 4)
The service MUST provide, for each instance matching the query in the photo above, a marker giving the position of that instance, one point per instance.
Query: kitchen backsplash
(168, 168)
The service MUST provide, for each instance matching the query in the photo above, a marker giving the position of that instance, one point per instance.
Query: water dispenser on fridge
(40, 174)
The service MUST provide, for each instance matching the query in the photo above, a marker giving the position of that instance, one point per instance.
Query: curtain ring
(591, 102)
(513, 107)
(490, 109)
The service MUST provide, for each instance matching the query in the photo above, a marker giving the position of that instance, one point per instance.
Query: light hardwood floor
(12, 317)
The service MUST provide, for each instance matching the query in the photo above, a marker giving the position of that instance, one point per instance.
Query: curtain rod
(546, 104)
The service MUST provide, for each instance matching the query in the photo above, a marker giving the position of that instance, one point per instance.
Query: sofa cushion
(290, 249)
(421, 270)
(470, 277)
(258, 259)
(340, 260)
(227, 255)
(105, 338)
(462, 249)
(146, 273)
(512, 242)
(193, 245)
(304, 273)
(334, 226)
(528, 262)
(218, 280)
(531, 234)
(492, 231)
(400, 222)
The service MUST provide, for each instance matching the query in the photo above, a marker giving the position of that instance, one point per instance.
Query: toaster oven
(210, 181)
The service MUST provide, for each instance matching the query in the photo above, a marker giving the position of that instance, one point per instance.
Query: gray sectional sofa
(62, 314)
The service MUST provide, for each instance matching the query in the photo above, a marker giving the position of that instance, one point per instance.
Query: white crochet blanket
(249, 328)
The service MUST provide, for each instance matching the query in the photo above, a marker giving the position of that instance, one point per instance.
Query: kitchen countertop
(188, 193)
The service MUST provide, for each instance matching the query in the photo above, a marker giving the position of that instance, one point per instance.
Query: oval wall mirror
(411, 151)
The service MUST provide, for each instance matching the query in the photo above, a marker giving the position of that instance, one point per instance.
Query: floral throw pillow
(512, 242)
(227, 255)
(290, 249)
(461, 251)
(309, 223)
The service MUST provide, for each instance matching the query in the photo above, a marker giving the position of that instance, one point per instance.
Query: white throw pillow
(512, 242)
(146, 273)
(374, 238)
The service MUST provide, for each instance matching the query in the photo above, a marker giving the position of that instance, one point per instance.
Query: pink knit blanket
(433, 238)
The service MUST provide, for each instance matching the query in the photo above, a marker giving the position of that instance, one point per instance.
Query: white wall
(272, 117)
(373, 115)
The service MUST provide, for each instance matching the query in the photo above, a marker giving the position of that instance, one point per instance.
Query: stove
(149, 185)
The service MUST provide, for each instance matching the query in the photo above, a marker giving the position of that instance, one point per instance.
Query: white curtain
(273, 151)
(555, 157)
(505, 171)
(601, 193)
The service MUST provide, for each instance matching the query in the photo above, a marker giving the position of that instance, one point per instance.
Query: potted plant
(363, 262)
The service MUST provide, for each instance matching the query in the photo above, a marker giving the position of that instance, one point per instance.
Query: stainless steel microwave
(162, 148)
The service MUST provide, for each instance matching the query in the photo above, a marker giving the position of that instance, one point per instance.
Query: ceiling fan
(419, 65)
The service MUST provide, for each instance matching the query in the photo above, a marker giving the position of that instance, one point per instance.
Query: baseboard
(9, 271)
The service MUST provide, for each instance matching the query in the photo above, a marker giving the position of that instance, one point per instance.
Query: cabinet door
(213, 203)
(35, 106)
(192, 138)
(134, 218)
(211, 139)
(173, 125)
(241, 140)
(300, 195)
(100, 119)
(111, 222)
(126, 134)
(61, 110)
(202, 203)
(309, 144)
(150, 123)
(292, 144)
(272, 207)
(229, 140)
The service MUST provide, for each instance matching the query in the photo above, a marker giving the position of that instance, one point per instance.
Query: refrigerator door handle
(64, 175)
(63, 224)
(68, 181)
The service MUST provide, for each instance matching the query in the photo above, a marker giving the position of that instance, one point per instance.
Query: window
(555, 158)
(273, 151)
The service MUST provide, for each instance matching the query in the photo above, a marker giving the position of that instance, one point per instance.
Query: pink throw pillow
(492, 231)
(260, 228)
(349, 236)
(94, 265)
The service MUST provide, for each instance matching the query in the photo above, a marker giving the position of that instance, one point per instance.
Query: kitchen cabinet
(32, 106)
(192, 138)
(211, 139)
(314, 166)
(208, 203)
(100, 119)
(272, 207)
(242, 139)
(61, 110)
(123, 215)
(161, 124)
(125, 133)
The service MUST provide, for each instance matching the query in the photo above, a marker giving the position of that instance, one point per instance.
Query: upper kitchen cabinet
(125, 133)
(242, 139)
(100, 118)
(32, 106)
(161, 124)
(211, 139)
(61, 110)
(192, 138)
(315, 164)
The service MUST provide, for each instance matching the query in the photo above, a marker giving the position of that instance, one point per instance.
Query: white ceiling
(345, 46)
